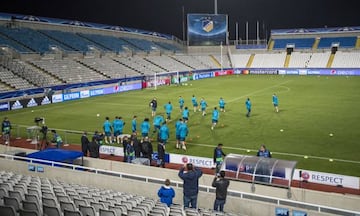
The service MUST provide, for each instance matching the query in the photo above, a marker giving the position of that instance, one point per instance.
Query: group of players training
(160, 124)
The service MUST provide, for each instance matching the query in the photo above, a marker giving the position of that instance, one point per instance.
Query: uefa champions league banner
(207, 29)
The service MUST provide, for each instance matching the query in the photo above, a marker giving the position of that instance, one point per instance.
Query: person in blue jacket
(166, 193)
(134, 124)
(164, 133)
(145, 128)
(222, 104)
(158, 120)
(215, 118)
(181, 103)
(168, 109)
(190, 176)
(194, 103)
(203, 106)
(177, 132)
(185, 114)
(183, 132)
(248, 107)
(275, 101)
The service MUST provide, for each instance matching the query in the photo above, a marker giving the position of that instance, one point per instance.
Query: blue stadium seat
(300, 43)
(71, 39)
(344, 42)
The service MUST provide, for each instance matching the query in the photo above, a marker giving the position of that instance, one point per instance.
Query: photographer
(44, 140)
(221, 184)
(190, 175)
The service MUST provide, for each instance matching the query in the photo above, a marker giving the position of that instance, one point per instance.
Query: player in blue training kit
(177, 132)
(134, 124)
(183, 131)
(145, 128)
(181, 103)
(275, 101)
(248, 107)
(168, 109)
(107, 130)
(185, 114)
(158, 120)
(117, 126)
(222, 105)
(194, 103)
(164, 133)
(215, 118)
(203, 106)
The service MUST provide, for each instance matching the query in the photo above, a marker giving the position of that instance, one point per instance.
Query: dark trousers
(190, 201)
(219, 205)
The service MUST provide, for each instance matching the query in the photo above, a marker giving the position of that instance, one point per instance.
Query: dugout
(259, 170)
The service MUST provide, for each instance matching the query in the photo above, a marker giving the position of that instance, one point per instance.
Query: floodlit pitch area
(318, 123)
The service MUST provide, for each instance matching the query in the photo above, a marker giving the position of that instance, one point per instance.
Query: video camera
(37, 120)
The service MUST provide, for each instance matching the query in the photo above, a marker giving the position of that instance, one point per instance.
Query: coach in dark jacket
(221, 184)
(190, 176)
(94, 148)
(85, 144)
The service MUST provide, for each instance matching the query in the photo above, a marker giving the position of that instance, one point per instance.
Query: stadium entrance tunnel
(259, 170)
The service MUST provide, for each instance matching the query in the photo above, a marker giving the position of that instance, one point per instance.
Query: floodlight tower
(215, 7)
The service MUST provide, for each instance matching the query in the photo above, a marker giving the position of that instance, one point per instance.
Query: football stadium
(62, 81)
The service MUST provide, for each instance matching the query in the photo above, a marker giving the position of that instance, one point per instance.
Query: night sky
(166, 16)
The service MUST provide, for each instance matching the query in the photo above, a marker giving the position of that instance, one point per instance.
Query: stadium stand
(6, 41)
(167, 63)
(108, 43)
(13, 80)
(343, 42)
(269, 60)
(109, 67)
(240, 60)
(299, 43)
(195, 61)
(138, 63)
(53, 197)
(299, 60)
(70, 71)
(346, 60)
(319, 60)
(32, 39)
(72, 40)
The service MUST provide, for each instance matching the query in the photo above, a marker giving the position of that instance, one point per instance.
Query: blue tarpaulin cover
(57, 155)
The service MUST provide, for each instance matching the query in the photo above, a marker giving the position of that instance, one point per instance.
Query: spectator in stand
(145, 128)
(218, 157)
(6, 130)
(166, 193)
(190, 175)
(85, 144)
(221, 184)
(153, 106)
(134, 124)
(94, 148)
(146, 149)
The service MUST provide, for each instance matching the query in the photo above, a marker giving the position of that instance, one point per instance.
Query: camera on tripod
(37, 120)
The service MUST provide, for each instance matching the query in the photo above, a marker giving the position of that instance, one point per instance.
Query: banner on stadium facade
(57, 98)
(4, 106)
(198, 76)
(261, 71)
(14, 105)
(174, 79)
(85, 94)
(71, 96)
(326, 178)
(197, 161)
(96, 92)
(223, 73)
(130, 87)
(159, 81)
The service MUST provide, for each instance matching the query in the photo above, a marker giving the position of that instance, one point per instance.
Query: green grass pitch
(311, 107)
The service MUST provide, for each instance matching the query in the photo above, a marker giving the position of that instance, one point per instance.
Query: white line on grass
(260, 90)
(279, 153)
